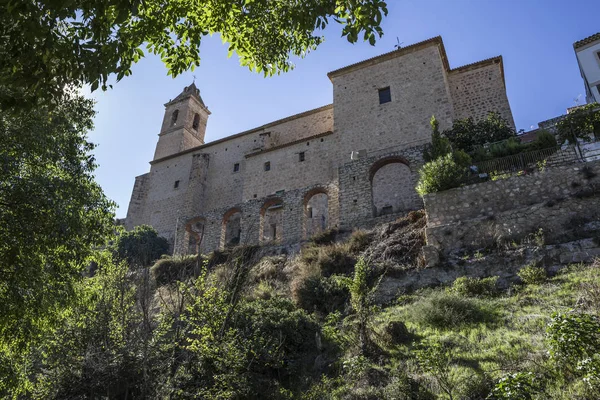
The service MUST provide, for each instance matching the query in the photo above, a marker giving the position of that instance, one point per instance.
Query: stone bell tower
(184, 124)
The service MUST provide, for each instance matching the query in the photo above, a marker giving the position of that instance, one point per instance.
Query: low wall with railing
(548, 157)
(480, 214)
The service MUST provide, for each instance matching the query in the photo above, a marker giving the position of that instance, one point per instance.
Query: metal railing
(551, 156)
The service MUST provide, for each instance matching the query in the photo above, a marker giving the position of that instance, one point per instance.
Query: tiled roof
(587, 40)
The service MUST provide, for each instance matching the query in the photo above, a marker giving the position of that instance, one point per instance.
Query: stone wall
(418, 91)
(478, 89)
(555, 200)
(356, 180)
(137, 204)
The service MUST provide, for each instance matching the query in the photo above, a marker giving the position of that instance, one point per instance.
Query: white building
(588, 58)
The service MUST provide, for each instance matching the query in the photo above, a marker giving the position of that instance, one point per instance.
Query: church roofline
(478, 64)
(253, 130)
(437, 40)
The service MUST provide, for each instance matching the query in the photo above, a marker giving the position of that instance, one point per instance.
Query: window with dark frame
(268, 166)
(385, 95)
(176, 185)
(236, 167)
(301, 156)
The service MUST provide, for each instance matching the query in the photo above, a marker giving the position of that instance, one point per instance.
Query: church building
(349, 164)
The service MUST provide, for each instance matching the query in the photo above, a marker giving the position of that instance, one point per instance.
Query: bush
(465, 134)
(466, 286)
(574, 338)
(395, 332)
(359, 241)
(170, 269)
(332, 259)
(141, 246)
(522, 385)
(506, 148)
(326, 237)
(442, 174)
(281, 338)
(532, 274)
(447, 310)
(544, 140)
(315, 293)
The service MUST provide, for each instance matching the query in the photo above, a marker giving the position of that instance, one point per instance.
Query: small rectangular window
(268, 166)
(385, 95)
(236, 167)
(176, 185)
(301, 156)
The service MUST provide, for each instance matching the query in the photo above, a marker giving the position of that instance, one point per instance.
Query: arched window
(174, 117)
(196, 122)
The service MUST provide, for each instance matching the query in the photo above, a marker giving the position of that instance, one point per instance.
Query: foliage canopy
(47, 45)
(52, 213)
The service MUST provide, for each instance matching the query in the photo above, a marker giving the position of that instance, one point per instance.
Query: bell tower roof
(188, 91)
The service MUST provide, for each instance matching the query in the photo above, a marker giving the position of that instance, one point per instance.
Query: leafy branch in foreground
(47, 45)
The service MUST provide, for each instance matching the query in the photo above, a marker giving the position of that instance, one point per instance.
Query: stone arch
(196, 122)
(174, 117)
(316, 216)
(194, 235)
(392, 185)
(231, 227)
(271, 221)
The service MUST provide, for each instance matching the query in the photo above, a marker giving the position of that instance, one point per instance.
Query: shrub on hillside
(473, 287)
(326, 237)
(140, 246)
(359, 241)
(532, 274)
(442, 174)
(170, 269)
(332, 259)
(281, 339)
(316, 293)
(447, 310)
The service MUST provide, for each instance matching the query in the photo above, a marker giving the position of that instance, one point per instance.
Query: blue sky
(535, 37)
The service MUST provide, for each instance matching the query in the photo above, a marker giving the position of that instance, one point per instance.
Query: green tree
(361, 300)
(140, 246)
(440, 145)
(96, 350)
(47, 45)
(582, 123)
(52, 214)
(445, 173)
(466, 134)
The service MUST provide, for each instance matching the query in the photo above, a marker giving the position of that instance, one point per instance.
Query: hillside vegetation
(243, 324)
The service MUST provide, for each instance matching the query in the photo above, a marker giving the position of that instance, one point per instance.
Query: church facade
(349, 164)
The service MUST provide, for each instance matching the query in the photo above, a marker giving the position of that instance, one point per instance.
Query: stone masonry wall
(478, 89)
(482, 214)
(137, 204)
(418, 91)
(287, 172)
(355, 177)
